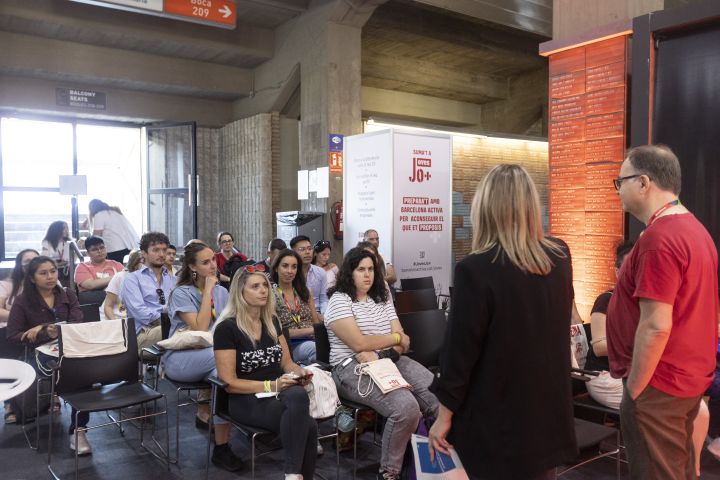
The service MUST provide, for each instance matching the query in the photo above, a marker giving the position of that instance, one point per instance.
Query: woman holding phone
(252, 356)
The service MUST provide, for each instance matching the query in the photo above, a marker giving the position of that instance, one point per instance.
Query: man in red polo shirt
(662, 318)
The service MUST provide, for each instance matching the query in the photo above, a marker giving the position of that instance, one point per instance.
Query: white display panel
(422, 204)
(367, 192)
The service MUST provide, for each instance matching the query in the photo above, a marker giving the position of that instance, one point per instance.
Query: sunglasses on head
(161, 296)
(322, 245)
(257, 268)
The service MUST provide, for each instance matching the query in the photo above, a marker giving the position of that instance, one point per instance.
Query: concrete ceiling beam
(246, 46)
(70, 61)
(427, 78)
(522, 109)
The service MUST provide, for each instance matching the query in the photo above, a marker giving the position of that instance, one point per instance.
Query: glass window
(28, 215)
(34, 153)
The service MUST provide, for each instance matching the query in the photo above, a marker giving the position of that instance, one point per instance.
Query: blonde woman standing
(511, 312)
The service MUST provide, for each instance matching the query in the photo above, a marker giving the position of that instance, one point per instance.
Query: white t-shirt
(371, 318)
(117, 232)
(115, 286)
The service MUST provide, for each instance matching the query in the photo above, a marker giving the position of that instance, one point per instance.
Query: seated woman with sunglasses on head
(321, 258)
(194, 304)
(363, 327)
(295, 307)
(252, 356)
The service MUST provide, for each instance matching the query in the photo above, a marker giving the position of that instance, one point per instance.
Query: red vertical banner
(587, 140)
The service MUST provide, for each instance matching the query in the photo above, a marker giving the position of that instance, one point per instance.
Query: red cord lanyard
(660, 210)
(296, 313)
(213, 314)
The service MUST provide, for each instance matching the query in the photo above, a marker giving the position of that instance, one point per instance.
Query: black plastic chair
(417, 283)
(103, 383)
(91, 312)
(426, 330)
(91, 296)
(591, 435)
(415, 300)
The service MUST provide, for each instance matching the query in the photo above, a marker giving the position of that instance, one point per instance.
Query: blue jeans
(304, 352)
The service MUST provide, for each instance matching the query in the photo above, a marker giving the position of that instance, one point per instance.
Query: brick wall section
(208, 160)
(245, 182)
(473, 157)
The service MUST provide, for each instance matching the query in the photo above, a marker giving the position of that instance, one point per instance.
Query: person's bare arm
(95, 283)
(349, 333)
(651, 338)
(109, 304)
(597, 327)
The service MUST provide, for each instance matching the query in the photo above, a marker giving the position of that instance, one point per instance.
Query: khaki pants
(657, 429)
(148, 336)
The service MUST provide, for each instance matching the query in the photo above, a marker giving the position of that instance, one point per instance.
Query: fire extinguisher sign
(335, 152)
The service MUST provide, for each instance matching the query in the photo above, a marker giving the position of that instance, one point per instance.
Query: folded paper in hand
(187, 339)
(445, 467)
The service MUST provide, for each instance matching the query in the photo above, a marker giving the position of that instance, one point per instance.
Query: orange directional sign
(222, 12)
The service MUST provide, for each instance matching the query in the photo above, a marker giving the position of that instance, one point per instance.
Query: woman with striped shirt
(362, 327)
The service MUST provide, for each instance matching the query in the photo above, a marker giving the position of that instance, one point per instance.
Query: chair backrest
(91, 296)
(415, 300)
(81, 373)
(426, 330)
(91, 312)
(322, 343)
(417, 283)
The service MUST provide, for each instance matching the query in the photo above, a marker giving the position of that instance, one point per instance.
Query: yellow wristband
(266, 386)
(397, 338)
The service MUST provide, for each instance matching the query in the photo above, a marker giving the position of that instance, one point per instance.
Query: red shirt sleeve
(658, 276)
(82, 273)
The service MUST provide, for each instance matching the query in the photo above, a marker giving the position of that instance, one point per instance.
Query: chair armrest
(215, 381)
(583, 375)
(154, 350)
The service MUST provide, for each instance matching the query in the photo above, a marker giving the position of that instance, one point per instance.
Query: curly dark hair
(55, 233)
(299, 281)
(345, 283)
(152, 237)
(29, 287)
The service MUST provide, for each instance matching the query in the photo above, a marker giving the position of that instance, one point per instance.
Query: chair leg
(355, 439)
(337, 452)
(252, 455)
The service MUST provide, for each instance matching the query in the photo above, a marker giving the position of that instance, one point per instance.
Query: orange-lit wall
(587, 137)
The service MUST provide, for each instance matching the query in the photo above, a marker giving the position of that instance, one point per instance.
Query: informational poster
(422, 207)
(368, 194)
(399, 183)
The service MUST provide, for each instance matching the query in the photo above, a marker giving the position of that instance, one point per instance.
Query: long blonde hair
(237, 307)
(506, 211)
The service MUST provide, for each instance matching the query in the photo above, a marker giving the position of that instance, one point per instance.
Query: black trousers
(118, 255)
(287, 415)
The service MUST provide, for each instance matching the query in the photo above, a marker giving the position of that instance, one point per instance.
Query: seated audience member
(604, 389)
(32, 320)
(145, 291)
(113, 306)
(170, 258)
(362, 327)
(274, 247)
(321, 258)
(315, 277)
(367, 246)
(388, 271)
(56, 245)
(252, 356)
(10, 288)
(194, 304)
(294, 305)
(96, 273)
(226, 243)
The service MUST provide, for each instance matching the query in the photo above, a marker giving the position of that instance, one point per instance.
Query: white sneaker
(714, 448)
(83, 445)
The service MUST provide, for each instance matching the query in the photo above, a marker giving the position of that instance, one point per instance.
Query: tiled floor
(121, 457)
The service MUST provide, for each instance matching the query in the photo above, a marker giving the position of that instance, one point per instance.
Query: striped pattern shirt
(371, 318)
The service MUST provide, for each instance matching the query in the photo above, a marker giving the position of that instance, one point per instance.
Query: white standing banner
(411, 185)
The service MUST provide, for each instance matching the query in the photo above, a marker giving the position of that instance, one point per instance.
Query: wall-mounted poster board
(399, 183)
